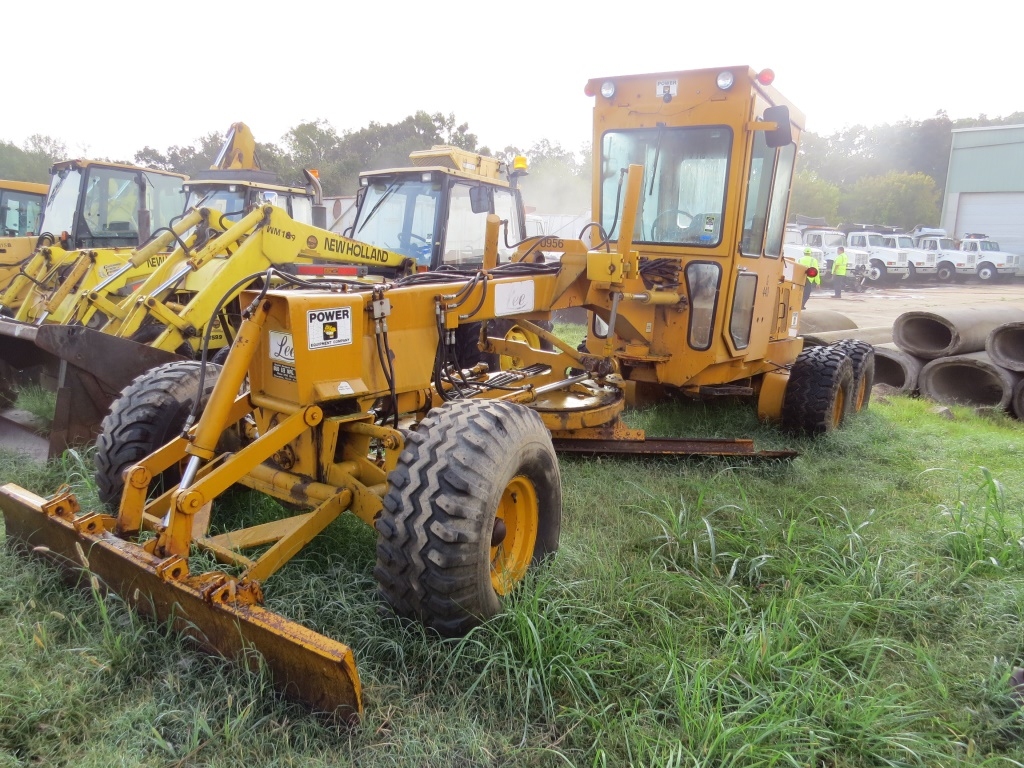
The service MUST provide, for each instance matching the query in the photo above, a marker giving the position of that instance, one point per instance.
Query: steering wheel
(675, 225)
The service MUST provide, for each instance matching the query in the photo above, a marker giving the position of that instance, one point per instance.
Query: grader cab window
(685, 174)
(780, 199)
(702, 281)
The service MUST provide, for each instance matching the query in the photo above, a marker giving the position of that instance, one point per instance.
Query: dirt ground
(881, 306)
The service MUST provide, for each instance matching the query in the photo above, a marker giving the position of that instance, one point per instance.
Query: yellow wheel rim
(862, 390)
(837, 412)
(515, 333)
(514, 536)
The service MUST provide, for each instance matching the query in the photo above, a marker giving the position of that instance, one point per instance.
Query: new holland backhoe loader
(348, 396)
(72, 279)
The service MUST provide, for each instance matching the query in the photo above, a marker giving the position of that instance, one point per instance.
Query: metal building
(985, 185)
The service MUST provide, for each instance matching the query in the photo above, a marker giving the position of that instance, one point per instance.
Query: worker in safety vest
(839, 272)
(808, 261)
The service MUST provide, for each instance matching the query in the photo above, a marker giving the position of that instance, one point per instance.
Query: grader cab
(346, 396)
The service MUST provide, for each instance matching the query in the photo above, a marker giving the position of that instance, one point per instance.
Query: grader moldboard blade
(305, 665)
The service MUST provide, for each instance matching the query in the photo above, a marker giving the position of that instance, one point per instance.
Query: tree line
(887, 174)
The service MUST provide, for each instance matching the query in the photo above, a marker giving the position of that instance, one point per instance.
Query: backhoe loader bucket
(305, 665)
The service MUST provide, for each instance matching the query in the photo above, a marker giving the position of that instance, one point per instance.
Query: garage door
(1000, 215)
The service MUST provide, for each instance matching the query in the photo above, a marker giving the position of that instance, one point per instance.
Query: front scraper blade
(305, 665)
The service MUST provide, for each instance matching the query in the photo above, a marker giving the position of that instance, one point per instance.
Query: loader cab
(233, 193)
(105, 205)
(21, 208)
(436, 214)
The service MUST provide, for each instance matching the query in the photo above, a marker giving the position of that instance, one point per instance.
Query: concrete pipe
(971, 379)
(1017, 402)
(1005, 345)
(897, 368)
(954, 331)
(821, 320)
(877, 335)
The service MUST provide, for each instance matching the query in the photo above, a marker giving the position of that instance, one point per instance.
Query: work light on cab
(725, 80)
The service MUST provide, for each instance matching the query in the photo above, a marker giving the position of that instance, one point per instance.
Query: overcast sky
(115, 76)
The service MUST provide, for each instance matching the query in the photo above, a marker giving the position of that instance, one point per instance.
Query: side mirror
(783, 134)
(481, 200)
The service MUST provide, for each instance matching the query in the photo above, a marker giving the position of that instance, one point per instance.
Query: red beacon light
(812, 272)
(765, 77)
(588, 90)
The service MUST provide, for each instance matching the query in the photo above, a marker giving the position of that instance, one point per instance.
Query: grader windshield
(685, 177)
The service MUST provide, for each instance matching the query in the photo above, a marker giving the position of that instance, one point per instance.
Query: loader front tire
(475, 499)
(862, 355)
(819, 393)
(148, 413)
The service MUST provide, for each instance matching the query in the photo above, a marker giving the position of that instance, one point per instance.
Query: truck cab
(793, 247)
(940, 247)
(885, 263)
(829, 240)
(919, 261)
(982, 257)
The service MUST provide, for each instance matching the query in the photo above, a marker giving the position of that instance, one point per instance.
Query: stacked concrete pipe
(823, 320)
(875, 335)
(1017, 401)
(954, 331)
(953, 339)
(897, 368)
(1005, 345)
(971, 379)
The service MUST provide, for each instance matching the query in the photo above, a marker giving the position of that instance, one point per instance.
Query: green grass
(859, 605)
(40, 402)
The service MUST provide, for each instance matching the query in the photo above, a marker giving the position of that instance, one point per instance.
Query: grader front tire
(474, 501)
(149, 412)
(819, 393)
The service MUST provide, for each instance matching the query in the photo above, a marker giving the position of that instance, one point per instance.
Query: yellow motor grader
(347, 396)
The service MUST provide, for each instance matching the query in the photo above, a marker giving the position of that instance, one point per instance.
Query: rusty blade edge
(671, 446)
(305, 665)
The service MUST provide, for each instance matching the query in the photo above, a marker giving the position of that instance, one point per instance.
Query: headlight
(725, 80)
(607, 89)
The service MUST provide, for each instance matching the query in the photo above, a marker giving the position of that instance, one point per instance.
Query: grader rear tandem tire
(149, 412)
(862, 355)
(475, 499)
(819, 393)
